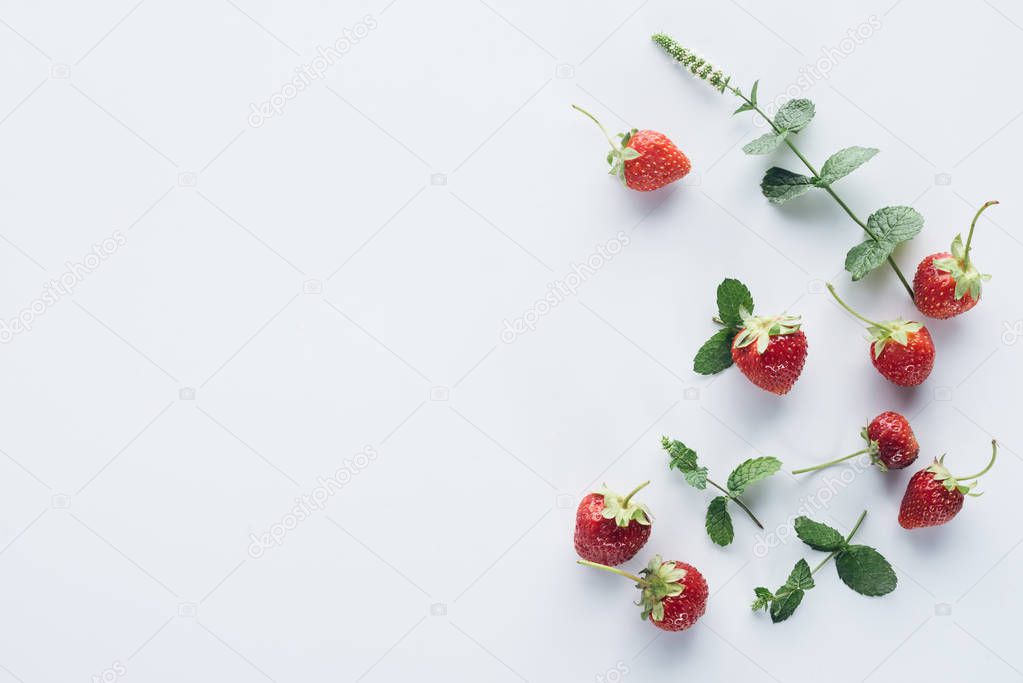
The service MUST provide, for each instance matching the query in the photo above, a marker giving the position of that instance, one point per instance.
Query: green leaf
(683, 459)
(865, 570)
(818, 536)
(780, 185)
(752, 470)
(765, 144)
(733, 295)
(716, 353)
(794, 115)
(753, 92)
(719, 522)
(742, 107)
(843, 162)
(763, 598)
(891, 225)
(800, 578)
(784, 605)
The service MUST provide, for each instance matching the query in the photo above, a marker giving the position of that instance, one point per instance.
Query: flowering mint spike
(780, 185)
(697, 65)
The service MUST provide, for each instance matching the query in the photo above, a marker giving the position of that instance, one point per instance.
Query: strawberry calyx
(961, 484)
(873, 449)
(660, 580)
(897, 331)
(881, 332)
(761, 329)
(622, 509)
(959, 265)
(620, 151)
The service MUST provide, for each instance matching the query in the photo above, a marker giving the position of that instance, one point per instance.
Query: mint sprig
(780, 185)
(860, 567)
(719, 520)
(715, 355)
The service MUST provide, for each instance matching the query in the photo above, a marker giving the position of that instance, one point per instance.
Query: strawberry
(644, 160)
(610, 529)
(901, 350)
(773, 363)
(776, 360)
(948, 284)
(890, 444)
(674, 594)
(933, 496)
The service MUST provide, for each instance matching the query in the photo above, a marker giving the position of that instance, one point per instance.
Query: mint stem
(831, 462)
(827, 188)
(848, 538)
(990, 463)
(973, 224)
(625, 503)
(587, 563)
(737, 502)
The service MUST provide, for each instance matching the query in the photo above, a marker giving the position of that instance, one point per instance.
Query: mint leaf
(716, 353)
(683, 459)
(752, 104)
(800, 578)
(818, 536)
(896, 223)
(765, 144)
(763, 598)
(865, 570)
(867, 256)
(780, 185)
(843, 162)
(891, 225)
(784, 605)
(719, 522)
(733, 295)
(751, 471)
(794, 115)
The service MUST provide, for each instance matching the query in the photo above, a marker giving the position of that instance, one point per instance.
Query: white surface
(126, 512)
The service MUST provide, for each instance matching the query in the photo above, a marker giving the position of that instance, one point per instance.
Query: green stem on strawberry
(969, 237)
(848, 538)
(737, 501)
(613, 570)
(625, 503)
(603, 130)
(827, 187)
(831, 462)
(831, 288)
(991, 462)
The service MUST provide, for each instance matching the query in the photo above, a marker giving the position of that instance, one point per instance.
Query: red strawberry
(776, 360)
(905, 363)
(610, 529)
(933, 496)
(674, 594)
(890, 443)
(643, 159)
(901, 350)
(948, 284)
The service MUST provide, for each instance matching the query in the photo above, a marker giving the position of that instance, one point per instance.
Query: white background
(292, 293)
